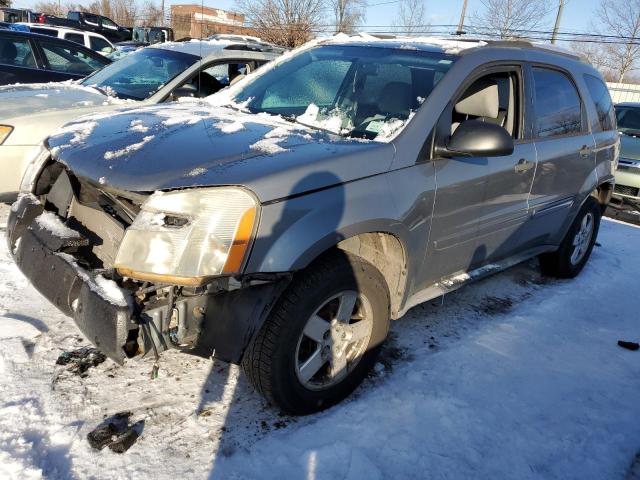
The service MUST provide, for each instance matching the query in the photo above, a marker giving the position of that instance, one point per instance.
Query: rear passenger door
(565, 150)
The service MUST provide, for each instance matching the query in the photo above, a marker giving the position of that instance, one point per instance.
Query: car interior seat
(481, 102)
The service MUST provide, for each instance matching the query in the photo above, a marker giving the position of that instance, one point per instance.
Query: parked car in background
(156, 74)
(14, 15)
(628, 172)
(150, 35)
(94, 41)
(90, 22)
(32, 58)
(285, 221)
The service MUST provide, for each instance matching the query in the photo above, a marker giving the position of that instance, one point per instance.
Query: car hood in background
(629, 147)
(22, 100)
(193, 144)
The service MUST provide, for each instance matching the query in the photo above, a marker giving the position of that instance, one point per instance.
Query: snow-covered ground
(516, 376)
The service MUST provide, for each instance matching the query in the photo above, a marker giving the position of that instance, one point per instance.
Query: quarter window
(99, 44)
(602, 100)
(557, 104)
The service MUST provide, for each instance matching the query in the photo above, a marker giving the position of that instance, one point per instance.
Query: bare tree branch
(410, 19)
(507, 18)
(347, 14)
(621, 18)
(284, 22)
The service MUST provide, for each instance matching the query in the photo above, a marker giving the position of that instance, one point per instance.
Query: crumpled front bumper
(64, 283)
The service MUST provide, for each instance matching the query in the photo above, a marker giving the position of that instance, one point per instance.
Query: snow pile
(110, 291)
(196, 171)
(51, 222)
(111, 154)
(229, 127)
(138, 126)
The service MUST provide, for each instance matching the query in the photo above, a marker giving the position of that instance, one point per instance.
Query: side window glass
(91, 19)
(75, 37)
(604, 106)
(557, 104)
(16, 52)
(69, 60)
(493, 98)
(99, 44)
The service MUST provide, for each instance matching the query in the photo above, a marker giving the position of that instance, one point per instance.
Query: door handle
(523, 165)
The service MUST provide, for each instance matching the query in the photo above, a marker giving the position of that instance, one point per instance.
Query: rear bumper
(70, 288)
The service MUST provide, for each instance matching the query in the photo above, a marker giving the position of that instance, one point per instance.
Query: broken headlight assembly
(184, 237)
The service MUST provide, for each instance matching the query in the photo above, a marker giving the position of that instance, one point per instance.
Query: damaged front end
(66, 238)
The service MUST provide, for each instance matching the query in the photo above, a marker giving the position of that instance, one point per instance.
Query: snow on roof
(449, 46)
(201, 48)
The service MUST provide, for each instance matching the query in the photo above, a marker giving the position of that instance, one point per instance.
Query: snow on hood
(193, 144)
(18, 100)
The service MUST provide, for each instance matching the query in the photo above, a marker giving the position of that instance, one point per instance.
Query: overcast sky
(577, 14)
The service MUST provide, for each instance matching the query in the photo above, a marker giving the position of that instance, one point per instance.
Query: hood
(194, 144)
(630, 147)
(22, 100)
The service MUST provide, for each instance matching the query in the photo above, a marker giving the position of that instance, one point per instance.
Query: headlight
(183, 237)
(5, 131)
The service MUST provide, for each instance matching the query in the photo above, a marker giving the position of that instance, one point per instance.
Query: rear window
(16, 52)
(557, 104)
(604, 106)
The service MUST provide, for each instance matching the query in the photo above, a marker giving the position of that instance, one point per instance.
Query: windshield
(628, 119)
(349, 90)
(141, 74)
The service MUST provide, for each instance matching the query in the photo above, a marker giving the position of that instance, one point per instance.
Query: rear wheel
(322, 337)
(576, 247)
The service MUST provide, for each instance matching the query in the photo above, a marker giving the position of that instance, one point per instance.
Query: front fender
(295, 231)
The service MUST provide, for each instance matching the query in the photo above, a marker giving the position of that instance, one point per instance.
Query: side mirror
(186, 90)
(474, 138)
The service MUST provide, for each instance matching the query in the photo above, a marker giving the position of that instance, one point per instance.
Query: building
(197, 21)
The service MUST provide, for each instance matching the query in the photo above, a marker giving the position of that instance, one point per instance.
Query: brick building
(196, 21)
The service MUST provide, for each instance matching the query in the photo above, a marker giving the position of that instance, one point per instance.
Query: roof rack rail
(521, 42)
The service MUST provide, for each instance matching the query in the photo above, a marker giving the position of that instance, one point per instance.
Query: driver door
(476, 194)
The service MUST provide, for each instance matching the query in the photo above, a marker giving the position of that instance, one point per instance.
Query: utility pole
(554, 35)
(460, 30)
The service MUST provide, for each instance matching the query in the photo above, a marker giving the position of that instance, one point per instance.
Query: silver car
(283, 223)
(157, 74)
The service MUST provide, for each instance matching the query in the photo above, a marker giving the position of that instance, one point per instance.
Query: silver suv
(285, 221)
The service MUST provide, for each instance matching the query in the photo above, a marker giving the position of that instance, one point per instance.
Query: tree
(511, 18)
(5, 3)
(620, 18)
(410, 19)
(347, 14)
(288, 23)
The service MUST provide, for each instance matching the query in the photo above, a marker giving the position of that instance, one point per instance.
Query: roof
(452, 45)
(204, 48)
(59, 28)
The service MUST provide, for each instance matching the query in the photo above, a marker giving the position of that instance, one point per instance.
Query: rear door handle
(523, 165)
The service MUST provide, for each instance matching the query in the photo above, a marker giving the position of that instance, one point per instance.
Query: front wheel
(322, 337)
(576, 247)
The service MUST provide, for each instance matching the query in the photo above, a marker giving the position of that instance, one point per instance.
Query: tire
(281, 357)
(565, 262)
